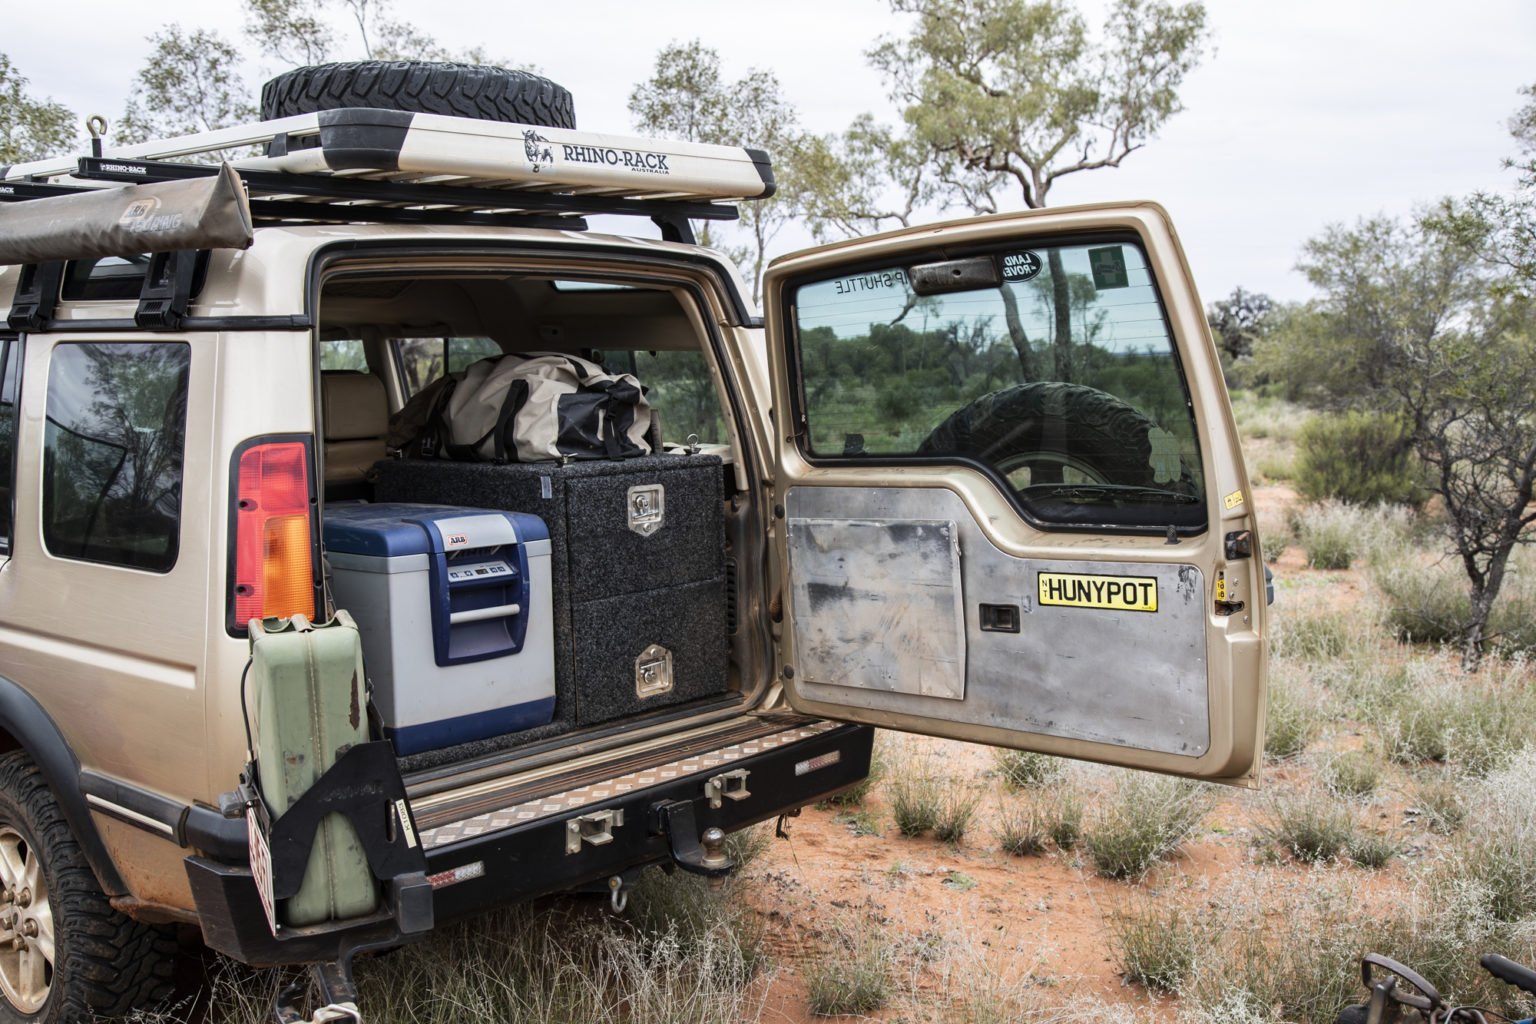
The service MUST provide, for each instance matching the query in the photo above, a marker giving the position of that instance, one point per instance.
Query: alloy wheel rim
(26, 924)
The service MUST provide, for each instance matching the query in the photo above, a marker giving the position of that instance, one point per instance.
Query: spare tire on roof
(421, 87)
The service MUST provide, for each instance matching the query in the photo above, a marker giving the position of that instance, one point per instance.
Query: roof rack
(364, 164)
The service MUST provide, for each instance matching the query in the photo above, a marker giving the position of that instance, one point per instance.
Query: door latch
(595, 829)
(731, 785)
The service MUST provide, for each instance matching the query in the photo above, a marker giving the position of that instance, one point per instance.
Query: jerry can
(310, 707)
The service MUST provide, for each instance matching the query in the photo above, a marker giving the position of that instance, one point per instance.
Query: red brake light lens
(274, 543)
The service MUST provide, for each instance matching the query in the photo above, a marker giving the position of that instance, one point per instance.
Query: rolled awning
(198, 213)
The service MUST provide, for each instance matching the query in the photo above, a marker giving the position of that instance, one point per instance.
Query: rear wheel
(65, 953)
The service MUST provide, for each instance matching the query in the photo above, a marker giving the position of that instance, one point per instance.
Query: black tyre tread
(1105, 430)
(106, 964)
(421, 87)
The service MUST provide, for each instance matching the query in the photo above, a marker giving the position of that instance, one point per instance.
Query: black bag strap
(433, 428)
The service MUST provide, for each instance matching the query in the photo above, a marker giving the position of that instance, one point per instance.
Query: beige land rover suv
(274, 666)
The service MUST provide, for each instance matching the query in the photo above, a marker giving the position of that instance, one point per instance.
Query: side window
(423, 360)
(679, 386)
(10, 389)
(113, 450)
(1061, 378)
(343, 354)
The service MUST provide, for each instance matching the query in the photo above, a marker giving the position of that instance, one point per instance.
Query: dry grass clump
(957, 806)
(1354, 773)
(1147, 819)
(1330, 532)
(1425, 600)
(1159, 944)
(854, 976)
(1475, 724)
(1371, 849)
(1310, 824)
(1318, 635)
(1436, 801)
(1024, 769)
(1268, 416)
(1028, 825)
(1294, 715)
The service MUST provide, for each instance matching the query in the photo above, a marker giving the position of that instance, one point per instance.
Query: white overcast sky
(1309, 112)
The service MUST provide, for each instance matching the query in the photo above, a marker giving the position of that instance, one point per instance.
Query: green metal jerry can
(310, 708)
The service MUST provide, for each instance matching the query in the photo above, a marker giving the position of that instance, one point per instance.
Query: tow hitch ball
(700, 854)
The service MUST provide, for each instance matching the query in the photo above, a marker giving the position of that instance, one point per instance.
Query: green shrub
(1308, 824)
(1360, 457)
(916, 796)
(1025, 768)
(1148, 818)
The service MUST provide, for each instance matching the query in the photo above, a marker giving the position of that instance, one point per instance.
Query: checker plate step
(572, 799)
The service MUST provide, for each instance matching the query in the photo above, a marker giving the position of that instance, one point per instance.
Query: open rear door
(1010, 500)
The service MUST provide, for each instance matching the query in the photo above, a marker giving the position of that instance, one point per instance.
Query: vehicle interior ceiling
(646, 329)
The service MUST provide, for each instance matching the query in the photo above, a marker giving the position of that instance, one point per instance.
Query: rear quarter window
(114, 444)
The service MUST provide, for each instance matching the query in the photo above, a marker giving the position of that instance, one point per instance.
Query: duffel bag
(543, 408)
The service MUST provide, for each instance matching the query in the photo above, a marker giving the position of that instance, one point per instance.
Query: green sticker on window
(1108, 266)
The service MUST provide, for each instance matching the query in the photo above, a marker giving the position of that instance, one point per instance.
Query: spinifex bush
(1148, 818)
(1360, 457)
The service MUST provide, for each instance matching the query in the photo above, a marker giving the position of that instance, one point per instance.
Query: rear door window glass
(1061, 380)
(113, 449)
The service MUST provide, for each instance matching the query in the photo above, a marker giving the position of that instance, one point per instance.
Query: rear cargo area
(514, 610)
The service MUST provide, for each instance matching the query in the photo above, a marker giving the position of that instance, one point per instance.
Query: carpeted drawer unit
(638, 567)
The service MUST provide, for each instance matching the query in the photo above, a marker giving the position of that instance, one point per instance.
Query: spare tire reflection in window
(113, 449)
(1062, 379)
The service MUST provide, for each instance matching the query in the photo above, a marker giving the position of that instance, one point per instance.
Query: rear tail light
(274, 563)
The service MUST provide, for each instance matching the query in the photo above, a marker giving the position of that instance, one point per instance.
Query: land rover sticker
(1108, 265)
(1020, 266)
(1114, 593)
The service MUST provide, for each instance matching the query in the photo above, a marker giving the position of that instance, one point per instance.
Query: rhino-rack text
(634, 159)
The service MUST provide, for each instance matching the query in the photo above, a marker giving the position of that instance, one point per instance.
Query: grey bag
(544, 408)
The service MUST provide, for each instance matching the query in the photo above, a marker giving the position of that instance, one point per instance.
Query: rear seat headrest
(354, 406)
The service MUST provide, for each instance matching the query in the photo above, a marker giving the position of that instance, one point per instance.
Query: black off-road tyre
(1108, 438)
(105, 964)
(420, 87)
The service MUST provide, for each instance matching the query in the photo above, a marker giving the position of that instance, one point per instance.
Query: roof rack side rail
(346, 192)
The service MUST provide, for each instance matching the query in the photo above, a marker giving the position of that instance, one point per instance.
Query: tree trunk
(1061, 306)
(1017, 335)
(1476, 631)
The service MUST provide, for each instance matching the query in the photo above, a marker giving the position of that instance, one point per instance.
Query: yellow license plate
(1117, 593)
